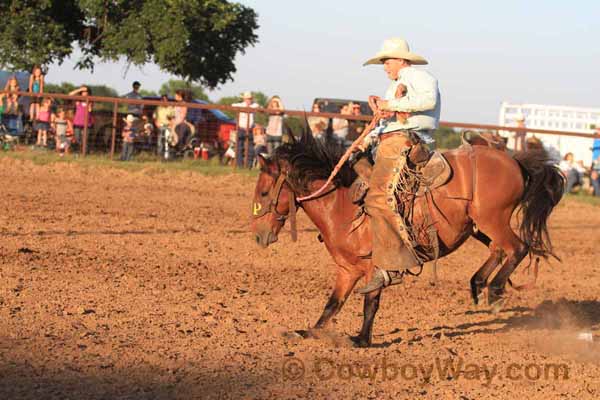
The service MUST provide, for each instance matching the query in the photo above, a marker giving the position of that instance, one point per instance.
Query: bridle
(259, 210)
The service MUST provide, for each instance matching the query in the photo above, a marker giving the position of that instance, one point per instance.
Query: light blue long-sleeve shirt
(422, 101)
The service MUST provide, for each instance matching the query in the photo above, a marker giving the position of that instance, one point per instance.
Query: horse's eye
(264, 194)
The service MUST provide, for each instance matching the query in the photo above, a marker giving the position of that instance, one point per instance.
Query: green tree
(63, 88)
(197, 40)
(148, 93)
(446, 138)
(173, 85)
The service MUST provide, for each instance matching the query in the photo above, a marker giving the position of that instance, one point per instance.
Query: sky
(482, 53)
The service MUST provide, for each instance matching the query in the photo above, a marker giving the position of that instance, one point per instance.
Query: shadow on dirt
(562, 314)
(25, 381)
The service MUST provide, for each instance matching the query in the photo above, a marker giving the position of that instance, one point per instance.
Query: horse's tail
(544, 187)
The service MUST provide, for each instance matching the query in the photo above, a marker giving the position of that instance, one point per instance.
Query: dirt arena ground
(144, 285)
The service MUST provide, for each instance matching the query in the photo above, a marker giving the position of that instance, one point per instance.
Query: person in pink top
(44, 117)
(182, 126)
(81, 109)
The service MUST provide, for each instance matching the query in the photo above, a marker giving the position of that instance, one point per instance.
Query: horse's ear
(264, 161)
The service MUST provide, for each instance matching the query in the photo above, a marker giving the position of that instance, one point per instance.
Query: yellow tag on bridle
(256, 207)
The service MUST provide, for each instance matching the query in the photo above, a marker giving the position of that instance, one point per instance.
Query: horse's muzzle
(266, 238)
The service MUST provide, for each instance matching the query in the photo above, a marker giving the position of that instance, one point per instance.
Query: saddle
(433, 169)
(488, 139)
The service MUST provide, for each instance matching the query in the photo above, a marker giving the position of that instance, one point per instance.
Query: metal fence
(214, 134)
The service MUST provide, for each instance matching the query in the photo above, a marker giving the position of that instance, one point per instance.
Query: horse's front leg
(371, 305)
(345, 281)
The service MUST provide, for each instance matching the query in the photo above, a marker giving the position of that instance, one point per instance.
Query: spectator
(36, 85)
(182, 127)
(2, 96)
(134, 109)
(340, 126)
(128, 135)
(44, 118)
(313, 121)
(83, 110)
(12, 98)
(572, 172)
(355, 127)
(260, 139)
(275, 125)
(161, 122)
(244, 132)
(62, 126)
(520, 137)
(319, 130)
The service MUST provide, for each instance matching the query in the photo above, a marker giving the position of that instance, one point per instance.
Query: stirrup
(381, 279)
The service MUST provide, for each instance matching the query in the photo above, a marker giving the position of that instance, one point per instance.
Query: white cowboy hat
(519, 117)
(130, 118)
(396, 48)
(246, 95)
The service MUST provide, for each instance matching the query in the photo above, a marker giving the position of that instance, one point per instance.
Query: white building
(559, 118)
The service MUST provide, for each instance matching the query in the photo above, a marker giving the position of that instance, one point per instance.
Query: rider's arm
(421, 95)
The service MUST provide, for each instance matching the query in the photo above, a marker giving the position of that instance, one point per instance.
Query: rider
(392, 249)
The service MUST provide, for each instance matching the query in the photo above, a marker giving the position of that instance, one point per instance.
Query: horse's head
(273, 201)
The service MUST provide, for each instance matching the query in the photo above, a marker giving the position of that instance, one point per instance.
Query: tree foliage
(197, 40)
(446, 138)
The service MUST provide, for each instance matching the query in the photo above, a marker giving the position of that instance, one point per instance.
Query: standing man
(245, 125)
(134, 109)
(520, 137)
(393, 251)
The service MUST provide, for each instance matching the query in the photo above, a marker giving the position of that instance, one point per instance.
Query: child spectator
(182, 127)
(572, 172)
(12, 98)
(313, 121)
(260, 139)
(340, 125)
(61, 127)
(2, 96)
(36, 86)
(81, 109)
(44, 119)
(147, 132)
(128, 135)
(275, 125)
(161, 121)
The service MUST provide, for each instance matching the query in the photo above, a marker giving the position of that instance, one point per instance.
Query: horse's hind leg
(515, 251)
(479, 279)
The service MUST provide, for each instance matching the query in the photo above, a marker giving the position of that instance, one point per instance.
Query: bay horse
(486, 186)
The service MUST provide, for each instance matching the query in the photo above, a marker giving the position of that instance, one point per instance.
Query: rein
(353, 147)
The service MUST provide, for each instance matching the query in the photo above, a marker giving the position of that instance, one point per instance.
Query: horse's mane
(311, 159)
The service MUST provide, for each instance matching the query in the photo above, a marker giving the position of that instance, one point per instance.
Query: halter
(258, 211)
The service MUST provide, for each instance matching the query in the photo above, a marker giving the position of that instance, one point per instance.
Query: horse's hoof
(498, 305)
(360, 342)
(480, 297)
(304, 334)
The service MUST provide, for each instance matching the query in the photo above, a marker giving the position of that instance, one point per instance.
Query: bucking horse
(485, 187)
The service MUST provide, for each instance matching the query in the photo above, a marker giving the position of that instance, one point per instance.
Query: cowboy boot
(381, 279)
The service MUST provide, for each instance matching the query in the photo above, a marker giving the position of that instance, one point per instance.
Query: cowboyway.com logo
(455, 368)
